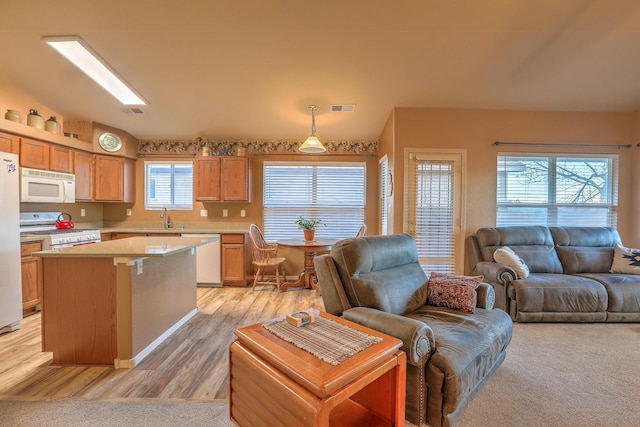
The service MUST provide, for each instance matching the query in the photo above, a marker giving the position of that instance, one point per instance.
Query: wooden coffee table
(273, 382)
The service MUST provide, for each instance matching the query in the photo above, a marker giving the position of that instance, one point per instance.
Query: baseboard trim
(131, 363)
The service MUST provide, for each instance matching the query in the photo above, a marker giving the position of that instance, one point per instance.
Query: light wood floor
(192, 364)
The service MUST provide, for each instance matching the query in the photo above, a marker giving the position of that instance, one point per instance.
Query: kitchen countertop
(27, 239)
(171, 230)
(217, 227)
(133, 247)
(151, 227)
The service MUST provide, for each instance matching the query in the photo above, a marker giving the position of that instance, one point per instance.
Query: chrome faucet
(164, 214)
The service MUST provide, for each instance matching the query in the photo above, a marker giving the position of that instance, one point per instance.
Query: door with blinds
(433, 208)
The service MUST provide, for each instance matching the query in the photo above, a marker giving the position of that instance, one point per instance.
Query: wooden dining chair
(264, 257)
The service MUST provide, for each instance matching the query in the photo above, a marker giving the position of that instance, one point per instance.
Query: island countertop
(132, 247)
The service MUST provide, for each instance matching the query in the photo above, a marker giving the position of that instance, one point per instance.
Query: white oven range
(43, 224)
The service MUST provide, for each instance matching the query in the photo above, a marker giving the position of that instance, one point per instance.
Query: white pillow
(625, 260)
(505, 255)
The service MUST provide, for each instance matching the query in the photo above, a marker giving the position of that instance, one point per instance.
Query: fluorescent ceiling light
(82, 56)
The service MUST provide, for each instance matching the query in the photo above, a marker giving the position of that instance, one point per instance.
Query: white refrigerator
(10, 272)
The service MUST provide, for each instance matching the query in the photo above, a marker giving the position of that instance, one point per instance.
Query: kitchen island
(114, 302)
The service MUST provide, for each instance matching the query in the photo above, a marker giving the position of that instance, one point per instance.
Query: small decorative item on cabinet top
(13, 115)
(52, 125)
(35, 120)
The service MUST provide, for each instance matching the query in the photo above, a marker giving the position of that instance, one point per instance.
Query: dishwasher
(207, 261)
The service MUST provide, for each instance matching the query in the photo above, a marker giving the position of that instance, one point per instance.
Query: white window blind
(332, 192)
(557, 190)
(168, 184)
(433, 211)
(384, 194)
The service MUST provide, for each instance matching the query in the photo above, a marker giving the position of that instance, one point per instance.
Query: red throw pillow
(457, 292)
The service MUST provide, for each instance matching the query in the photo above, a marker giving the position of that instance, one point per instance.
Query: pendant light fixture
(312, 143)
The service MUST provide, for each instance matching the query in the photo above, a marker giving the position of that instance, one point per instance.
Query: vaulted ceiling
(248, 69)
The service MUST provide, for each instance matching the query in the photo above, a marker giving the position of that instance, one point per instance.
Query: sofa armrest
(417, 337)
(486, 296)
(496, 273)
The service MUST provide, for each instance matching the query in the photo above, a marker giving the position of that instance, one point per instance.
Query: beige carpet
(563, 375)
(121, 413)
(554, 375)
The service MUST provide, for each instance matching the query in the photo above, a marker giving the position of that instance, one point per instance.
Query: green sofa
(570, 277)
(376, 281)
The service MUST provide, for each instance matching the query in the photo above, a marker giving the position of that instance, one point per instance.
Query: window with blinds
(168, 185)
(384, 194)
(557, 190)
(433, 214)
(332, 192)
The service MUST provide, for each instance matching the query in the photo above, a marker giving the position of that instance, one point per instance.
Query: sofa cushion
(551, 293)
(585, 236)
(585, 249)
(585, 259)
(625, 260)
(457, 292)
(381, 272)
(505, 255)
(534, 244)
(623, 291)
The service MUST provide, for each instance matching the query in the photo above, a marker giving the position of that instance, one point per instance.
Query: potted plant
(308, 225)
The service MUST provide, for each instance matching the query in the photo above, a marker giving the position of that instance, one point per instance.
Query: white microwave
(38, 186)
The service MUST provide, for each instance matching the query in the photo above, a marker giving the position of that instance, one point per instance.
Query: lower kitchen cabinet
(235, 258)
(32, 277)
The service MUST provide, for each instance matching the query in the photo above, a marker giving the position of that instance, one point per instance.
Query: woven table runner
(329, 341)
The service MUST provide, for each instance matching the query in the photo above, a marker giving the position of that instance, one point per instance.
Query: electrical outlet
(128, 212)
(139, 267)
(83, 212)
(225, 212)
(243, 213)
(204, 212)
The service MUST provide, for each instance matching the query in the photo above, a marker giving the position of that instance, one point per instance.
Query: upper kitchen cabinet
(84, 175)
(9, 143)
(207, 179)
(34, 154)
(114, 179)
(60, 159)
(223, 179)
(43, 155)
(236, 180)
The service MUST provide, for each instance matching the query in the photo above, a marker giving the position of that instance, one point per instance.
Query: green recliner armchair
(376, 281)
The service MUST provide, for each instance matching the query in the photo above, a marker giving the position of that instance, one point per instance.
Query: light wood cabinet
(83, 169)
(9, 143)
(32, 277)
(223, 179)
(236, 180)
(114, 179)
(207, 179)
(60, 159)
(234, 258)
(34, 154)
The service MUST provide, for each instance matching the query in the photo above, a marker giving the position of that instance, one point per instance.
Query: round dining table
(308, 277)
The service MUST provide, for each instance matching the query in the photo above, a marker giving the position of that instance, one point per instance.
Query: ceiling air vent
(132, 110)
(343, 107)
